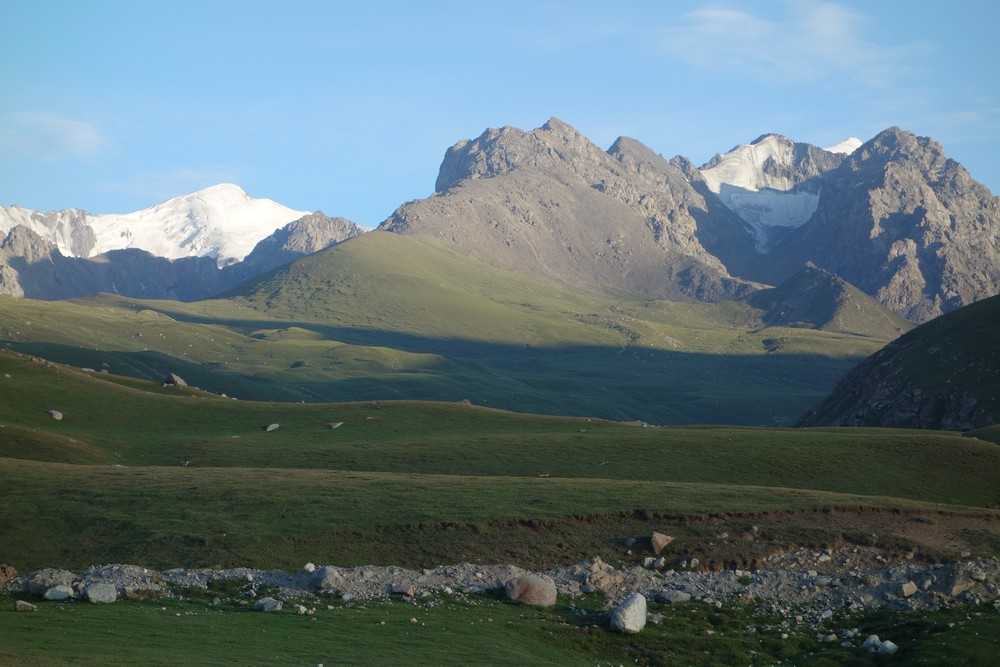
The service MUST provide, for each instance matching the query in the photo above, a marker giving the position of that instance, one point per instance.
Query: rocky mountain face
(904, 223)
(31, 266)
(943, 374)
(551, 202)
(305, 236)
(222, 222)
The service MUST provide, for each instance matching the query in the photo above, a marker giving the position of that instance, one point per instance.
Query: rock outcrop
(943, 374)
(904, 223)
(550, 202)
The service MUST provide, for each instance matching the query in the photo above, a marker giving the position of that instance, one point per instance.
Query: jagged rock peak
(634, 153)
(23, 242)
(502, 150)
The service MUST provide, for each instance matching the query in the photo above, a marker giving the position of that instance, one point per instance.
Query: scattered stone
(309, 567)
(630, 615)
(875, 645)
(532, 589)
(174, 380)
(959, 586)
(55, 414)
(21, 605)
(404, 590)
(43, 580)
(7, 573)
(908, 589)
(301, 610)
(271, 427)
(649, 562)
(267, 605)
(335, 425)
(674, 597)
(660, 542)
(694, 563)
(58, 593)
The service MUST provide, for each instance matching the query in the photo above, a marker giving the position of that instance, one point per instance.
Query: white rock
(630, 615)
(309, 567)
(59, 593)
(267, 605)
(272, 427)
(676, 597)
(102, 593)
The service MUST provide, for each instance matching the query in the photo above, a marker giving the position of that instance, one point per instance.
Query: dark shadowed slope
(943, 374)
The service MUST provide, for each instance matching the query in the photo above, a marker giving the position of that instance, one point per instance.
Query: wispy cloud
(48, 136)
(810, 41)
(157, 186)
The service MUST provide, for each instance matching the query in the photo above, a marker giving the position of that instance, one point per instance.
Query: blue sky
(349, 108)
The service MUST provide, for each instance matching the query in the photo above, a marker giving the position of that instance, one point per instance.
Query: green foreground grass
(72, 516)
(480, 632)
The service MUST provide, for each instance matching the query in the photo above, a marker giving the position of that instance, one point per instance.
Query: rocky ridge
(31, 266)
(549, 201)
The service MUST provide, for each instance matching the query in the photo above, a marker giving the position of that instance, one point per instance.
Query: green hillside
(390, 317)
(145, 475)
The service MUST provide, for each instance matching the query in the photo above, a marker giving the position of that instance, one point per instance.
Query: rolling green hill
(135, 473)
(386, 316)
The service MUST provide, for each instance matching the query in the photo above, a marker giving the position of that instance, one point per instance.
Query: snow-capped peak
(221, 221)
(743, 166)
(845, 147)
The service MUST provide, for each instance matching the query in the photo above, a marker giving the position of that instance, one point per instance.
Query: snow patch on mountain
(845, 147)
(745, 166)
(752, 180)
(221, 221)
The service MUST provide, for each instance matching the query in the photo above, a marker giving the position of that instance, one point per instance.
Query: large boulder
(21, 605)
(102, 593)
(630, 615)
(532, 589)
(58, 593)
(268, 605)
(272, 427)
(55, 414)
(329, 578)
(43, 580)
(174, 380)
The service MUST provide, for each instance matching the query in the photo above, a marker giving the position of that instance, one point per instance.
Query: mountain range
(222, 222)
(892, 216)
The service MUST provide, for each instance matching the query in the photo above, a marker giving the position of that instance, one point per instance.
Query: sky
(348, 108)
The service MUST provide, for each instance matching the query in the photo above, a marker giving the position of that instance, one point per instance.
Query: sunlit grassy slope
(386, 316)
